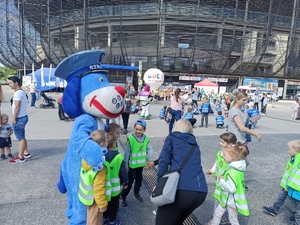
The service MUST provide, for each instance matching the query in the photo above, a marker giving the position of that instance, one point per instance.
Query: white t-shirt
(20, 95)
(32, 88)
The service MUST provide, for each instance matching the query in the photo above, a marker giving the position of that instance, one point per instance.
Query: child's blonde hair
(4, 116)
(99, 136)
(228, 137)
(183, 125)
(238, 151)
(295, 145)
(111, 140)
(189, 109)
(114, 128)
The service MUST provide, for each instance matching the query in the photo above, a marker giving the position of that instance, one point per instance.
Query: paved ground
(28, 191)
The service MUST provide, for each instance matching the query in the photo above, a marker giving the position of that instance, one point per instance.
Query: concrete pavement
(28, 191)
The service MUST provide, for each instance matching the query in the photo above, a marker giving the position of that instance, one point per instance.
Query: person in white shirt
(32, 90)
(274, 99)
(19, 119)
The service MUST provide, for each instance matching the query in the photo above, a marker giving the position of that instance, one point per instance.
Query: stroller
(48, 101)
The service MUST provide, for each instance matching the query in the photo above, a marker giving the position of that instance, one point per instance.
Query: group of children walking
(103, 191)
(229, 194)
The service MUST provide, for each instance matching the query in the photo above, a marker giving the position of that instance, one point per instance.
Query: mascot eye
(114, 101)
(119, 97)
(118, 105)
(101, 78)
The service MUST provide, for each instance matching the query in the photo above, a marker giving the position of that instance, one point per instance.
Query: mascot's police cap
(80, 64)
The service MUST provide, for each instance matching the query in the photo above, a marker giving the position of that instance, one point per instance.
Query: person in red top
(61, 112)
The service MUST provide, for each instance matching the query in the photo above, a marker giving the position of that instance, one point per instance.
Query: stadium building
(225, 40)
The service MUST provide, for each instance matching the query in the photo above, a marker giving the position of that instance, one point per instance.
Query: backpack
(168, 115)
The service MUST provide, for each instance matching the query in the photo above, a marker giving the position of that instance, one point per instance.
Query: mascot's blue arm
(83, 144)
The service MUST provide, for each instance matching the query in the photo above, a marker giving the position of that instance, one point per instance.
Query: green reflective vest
(86, 188)
(287, 172)
(239, 196)
(221, 166)
(138, 154)
(115, 166)
(294, 178)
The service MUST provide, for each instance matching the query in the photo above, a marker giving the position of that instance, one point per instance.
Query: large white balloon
(154, 77)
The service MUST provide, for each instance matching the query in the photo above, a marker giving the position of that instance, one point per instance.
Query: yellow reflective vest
(239, 196)
(294, 178)
(138, 152)
(86, 185)
(287, 172)
(221, 166)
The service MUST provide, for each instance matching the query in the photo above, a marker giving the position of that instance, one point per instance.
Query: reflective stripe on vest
(221, 166)
(240, 200)
(205, 107)
(287, 172)
(86, 185)
(115, 166)
(294, 178)
(138, 154)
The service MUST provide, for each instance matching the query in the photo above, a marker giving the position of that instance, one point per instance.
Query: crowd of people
(123, 171)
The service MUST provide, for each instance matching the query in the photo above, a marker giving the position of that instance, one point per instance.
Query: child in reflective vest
(94, 187)
(293, 148)
(232, 195)
(118, 176)
(162, 113)
(137, 152)
(205, 110)
(219, 167)
(293, 181)
(220, 120)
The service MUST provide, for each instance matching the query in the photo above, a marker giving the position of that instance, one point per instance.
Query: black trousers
(185, 203)
(112, 209)
(192, 121)
(125, 118)
(133, 175)
(61, 112)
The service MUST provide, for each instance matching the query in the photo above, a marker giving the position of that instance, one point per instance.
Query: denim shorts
(19, 127)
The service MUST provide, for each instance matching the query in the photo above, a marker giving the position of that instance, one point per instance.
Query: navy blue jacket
(176, 147)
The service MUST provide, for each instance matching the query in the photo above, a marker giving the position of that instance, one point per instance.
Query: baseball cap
(141, 122)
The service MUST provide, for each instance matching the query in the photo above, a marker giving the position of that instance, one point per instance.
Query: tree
(5, 72)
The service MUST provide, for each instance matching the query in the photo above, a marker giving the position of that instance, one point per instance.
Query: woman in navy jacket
(192, 187)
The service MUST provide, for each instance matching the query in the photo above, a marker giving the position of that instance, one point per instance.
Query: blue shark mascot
(90, 98)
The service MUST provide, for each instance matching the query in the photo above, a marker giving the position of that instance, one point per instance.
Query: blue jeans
(19, 127)
(280, 200)
(176, 115)
(33, 99)
(195, 102)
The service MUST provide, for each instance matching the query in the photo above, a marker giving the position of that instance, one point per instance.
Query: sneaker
(105, 221)
(27, 155)
(292, 218)
(116, 222)
(16, 160)
(225, 221)
(10, 156)
(200, 125)
(2, 157)
(138, 197)
(270, 211)
(123, 202)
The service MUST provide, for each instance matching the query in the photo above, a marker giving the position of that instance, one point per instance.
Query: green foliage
(5, 72)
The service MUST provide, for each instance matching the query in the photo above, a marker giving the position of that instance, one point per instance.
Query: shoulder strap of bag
(186, 159)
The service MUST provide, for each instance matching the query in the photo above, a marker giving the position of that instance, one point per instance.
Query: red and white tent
(207, 85)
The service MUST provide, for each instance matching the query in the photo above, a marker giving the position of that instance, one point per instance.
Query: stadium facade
(224, 39)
